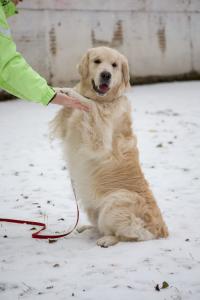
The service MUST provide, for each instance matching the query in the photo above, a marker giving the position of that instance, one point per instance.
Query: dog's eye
(114, 65)
(97, 61)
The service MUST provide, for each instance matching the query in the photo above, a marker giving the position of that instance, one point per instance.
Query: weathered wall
(160, 38)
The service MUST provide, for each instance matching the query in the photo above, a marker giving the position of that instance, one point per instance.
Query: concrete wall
(161, 38)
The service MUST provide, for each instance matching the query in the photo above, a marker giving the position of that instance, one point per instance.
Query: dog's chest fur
(89, 142)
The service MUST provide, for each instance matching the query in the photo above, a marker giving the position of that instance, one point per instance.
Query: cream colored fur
(101, 152)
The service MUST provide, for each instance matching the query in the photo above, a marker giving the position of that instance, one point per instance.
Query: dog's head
(104, 74)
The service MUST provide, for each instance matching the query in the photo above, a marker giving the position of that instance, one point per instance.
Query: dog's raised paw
(107, 241)
(63, 90)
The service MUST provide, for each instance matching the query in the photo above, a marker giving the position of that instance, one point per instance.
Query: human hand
(16, 1)
(74, 94)
(68, 101)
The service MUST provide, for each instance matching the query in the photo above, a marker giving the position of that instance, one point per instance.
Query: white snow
(34, 186)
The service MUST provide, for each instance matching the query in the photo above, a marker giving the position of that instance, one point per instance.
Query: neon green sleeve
(9, 8)
(16, 76)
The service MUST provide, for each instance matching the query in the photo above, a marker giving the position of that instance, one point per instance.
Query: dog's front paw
(107, 241)
(72, 93)
(67, 91)
(81, 229)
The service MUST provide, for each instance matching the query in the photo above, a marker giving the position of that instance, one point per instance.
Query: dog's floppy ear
(83, 66)
(125, 71)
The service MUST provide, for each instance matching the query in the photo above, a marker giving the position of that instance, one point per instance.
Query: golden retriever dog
(102, 155)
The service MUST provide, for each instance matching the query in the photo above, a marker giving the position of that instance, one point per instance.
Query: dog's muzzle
(104, 85)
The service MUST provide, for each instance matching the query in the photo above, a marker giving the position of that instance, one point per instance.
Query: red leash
(37, 235)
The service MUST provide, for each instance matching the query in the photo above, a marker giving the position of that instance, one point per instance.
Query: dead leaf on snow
(165, 285)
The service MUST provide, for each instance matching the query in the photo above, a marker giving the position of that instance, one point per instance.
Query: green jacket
(16, 76)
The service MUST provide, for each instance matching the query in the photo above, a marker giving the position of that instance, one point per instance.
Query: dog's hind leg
(135, 231)
(118, 220)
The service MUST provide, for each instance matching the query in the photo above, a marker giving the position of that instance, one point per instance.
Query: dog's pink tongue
(103, 88)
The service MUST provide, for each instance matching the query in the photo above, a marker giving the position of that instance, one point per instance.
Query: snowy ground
(34, 185)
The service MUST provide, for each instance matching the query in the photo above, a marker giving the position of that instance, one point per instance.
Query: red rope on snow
(37, 235)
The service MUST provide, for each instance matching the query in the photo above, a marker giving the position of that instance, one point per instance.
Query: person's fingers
(80, 106)
(63, 99)
(16, 1)
(74, 103)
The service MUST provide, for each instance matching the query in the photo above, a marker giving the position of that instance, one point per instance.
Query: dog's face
(104, 73)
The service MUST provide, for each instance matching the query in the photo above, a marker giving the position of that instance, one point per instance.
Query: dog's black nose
(106, 75)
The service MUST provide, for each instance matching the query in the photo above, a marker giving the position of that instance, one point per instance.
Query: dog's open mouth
(102, 89)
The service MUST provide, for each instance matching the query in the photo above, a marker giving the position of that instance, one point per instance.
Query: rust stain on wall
(162, 39)
(52, 38)
(96, 42)
(117, 38)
